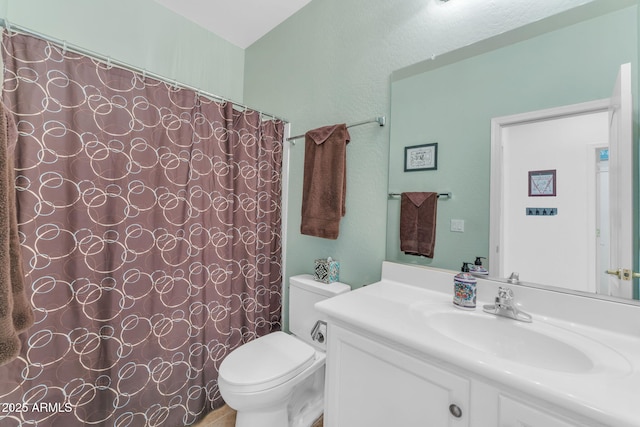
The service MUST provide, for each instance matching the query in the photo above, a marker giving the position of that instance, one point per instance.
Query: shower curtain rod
(381, 120)
(111, 62)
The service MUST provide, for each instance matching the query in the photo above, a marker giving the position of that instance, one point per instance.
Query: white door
(621, 185)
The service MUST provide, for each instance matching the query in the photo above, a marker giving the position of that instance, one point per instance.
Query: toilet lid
(266, 362)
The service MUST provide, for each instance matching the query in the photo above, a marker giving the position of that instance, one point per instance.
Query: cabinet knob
(455, 410)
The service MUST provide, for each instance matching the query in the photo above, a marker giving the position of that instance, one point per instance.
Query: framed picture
(421, 157)
(542, 183)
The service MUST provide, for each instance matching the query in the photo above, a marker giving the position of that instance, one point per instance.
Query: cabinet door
(373, 385)
(516, 414)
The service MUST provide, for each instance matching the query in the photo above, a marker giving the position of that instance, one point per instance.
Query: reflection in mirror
(530, 207)
(568, 59)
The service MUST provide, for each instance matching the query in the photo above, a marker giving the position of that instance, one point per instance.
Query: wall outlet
(457, 225)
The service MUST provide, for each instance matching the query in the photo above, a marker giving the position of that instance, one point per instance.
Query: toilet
(278, 380)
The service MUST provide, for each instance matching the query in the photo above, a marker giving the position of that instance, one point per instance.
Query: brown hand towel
(418, 223)
(16, 314)
(325, 181)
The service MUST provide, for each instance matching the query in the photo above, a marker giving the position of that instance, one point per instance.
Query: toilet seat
(266, 362)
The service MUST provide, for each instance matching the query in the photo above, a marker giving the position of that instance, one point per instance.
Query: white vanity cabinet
(399, 354)
(516, 414)
(370, 384)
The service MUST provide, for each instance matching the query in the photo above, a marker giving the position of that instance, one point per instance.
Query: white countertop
(391, 309)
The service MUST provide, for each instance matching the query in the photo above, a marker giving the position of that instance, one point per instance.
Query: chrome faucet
(514, 278)
(505, 306)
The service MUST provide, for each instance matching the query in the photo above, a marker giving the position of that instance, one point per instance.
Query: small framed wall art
(542, 183)
(421, 157)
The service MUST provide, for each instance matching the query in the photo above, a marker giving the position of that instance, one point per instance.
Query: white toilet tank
(304, 293)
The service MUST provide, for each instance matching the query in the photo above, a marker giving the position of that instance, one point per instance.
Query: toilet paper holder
(319, 331)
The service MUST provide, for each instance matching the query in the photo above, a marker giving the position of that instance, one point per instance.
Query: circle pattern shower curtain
(150, 221)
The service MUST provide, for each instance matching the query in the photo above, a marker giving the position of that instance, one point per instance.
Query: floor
(221, 417)
(226, 417)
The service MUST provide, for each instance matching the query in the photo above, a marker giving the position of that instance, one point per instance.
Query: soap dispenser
(477, 268)
(464, 289)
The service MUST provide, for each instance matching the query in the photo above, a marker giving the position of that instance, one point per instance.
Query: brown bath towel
(16, 314)
(325, 181)
(418, 223)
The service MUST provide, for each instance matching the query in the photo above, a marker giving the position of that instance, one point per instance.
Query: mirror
(567, 59)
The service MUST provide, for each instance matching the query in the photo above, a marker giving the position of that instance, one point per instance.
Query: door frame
(623, 256)
(496, 206)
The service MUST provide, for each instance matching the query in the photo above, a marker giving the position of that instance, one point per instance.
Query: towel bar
(447, 195)
(381, 120)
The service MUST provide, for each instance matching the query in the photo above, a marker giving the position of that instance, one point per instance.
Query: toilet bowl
(278, 380)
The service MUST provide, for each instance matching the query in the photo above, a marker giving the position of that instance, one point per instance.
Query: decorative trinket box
(327, 270)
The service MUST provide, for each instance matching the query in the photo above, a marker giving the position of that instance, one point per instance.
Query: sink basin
(535, 344)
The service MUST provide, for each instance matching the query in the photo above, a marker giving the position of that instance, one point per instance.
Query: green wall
(141, 33)
(454, 104)
(331, 63)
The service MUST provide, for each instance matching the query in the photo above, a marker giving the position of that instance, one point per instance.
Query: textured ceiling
(240, 22)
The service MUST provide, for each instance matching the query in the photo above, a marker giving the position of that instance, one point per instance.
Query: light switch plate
(457, 225)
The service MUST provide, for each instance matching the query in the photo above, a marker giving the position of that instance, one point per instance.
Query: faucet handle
(504, 306)
(505, 294)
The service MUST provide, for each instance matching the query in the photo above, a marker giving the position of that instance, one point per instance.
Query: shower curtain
(149, 221)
